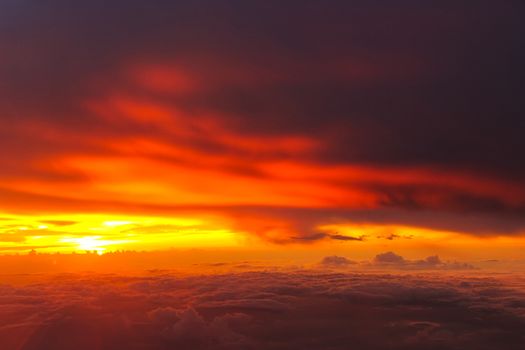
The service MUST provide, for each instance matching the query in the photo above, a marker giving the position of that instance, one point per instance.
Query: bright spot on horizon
(116, 223)
(92, 243)
(67, 232)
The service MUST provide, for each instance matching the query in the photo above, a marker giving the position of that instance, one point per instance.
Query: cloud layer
(286, 109)
(264, 310)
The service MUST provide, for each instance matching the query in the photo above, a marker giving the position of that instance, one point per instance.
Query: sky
(262, 175)
(346, 126)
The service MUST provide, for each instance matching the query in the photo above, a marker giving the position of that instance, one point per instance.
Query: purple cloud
(265, 310)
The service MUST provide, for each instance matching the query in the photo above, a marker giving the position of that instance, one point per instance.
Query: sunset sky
(362, 125)
(262, 175)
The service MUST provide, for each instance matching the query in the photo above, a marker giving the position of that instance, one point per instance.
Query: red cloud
(345, 111)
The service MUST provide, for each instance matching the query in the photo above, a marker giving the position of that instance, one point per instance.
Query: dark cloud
(357, 74)
(315, 311)
(434, 85)
(392, 236)
(389, 258)
(336, 261)
(321, 235)
(393, 260)
(339, 237)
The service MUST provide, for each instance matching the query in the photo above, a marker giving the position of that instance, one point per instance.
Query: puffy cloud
(336, 261)
(391, 259)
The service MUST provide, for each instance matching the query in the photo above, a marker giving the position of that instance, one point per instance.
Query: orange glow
(102, 233)
(105, 232)
(200, 166)
(273, 175)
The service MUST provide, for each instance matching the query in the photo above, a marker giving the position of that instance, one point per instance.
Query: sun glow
(103, 233)
(116, 223)
(71, 233)
(93, 243)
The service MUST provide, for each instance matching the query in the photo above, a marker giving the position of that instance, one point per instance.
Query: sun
(89, 243)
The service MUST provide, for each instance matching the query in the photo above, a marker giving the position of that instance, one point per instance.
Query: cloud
(343, 110)
(321, 235)
(336, 261)
(345, 238)
(391, 259)
(392, 236)
(192, 331)
(323, 310)
(164, 315)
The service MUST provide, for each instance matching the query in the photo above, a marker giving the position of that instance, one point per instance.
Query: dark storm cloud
(264, 310)
(399, 83)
